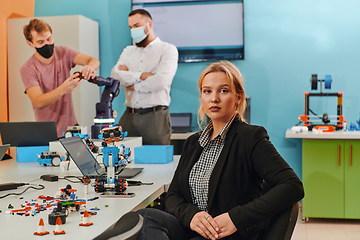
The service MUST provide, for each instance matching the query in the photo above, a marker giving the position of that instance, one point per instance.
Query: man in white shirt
(146, 72)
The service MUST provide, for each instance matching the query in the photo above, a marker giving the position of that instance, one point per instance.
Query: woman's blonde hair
(237, 84)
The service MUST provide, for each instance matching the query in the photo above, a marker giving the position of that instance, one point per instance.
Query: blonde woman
(216, 190)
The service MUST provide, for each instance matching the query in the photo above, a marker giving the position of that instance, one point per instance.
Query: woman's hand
(225, 224)
(205, 225)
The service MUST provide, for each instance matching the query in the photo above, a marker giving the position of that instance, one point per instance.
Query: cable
(99, 154)
(67, 178)
(41, 187)
(121, 169)
(117, 93)
(314, 114)
(97, 170)
(298, 123)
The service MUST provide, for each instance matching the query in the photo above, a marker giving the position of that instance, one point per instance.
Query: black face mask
(46, 51)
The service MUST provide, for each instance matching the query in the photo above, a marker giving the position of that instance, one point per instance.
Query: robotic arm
(112, 90)
(104, 113)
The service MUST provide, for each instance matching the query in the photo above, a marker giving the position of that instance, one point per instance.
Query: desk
(330, 174)
(181, 136)
(337, 135)
(21, 227)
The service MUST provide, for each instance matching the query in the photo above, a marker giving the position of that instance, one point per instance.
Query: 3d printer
(322, 122)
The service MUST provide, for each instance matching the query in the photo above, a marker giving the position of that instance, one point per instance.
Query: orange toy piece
(85, 220)
(21, 210)
(41, 229)
(58, 227)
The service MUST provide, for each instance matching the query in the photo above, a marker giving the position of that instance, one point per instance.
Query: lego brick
(29, 154)
(154, 154)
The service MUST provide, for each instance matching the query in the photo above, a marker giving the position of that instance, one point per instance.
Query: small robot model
(50, 158)
(111, 133)
(67, 202)
(114, 158)
(71, 130)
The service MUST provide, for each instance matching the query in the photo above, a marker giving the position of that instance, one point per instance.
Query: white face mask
(138, 34)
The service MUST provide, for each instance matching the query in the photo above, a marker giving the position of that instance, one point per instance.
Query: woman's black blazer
(247, 158)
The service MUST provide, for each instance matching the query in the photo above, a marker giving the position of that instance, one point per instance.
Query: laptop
(3, 149)
(87, 163)
(22, 134)
(180, 122)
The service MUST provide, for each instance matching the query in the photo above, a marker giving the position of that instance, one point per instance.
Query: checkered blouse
(200, 173)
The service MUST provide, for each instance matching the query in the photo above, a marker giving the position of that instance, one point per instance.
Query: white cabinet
(76, 31)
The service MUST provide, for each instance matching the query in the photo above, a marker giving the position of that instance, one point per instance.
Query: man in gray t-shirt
(46, 75)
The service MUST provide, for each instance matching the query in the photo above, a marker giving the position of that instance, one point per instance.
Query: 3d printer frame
(325, 127)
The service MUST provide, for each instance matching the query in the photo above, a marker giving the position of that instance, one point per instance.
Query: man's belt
(145, 110)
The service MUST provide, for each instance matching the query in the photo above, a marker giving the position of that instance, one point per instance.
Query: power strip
(10, 186)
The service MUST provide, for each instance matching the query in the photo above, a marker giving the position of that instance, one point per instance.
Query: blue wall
(285, 42)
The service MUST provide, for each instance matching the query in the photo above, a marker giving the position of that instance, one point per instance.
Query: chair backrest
(281, 226)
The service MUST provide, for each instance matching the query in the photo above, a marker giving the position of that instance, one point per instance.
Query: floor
(326, 229)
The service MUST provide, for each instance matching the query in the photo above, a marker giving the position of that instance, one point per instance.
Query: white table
(21, 227)
(181, 136)
(338, 135)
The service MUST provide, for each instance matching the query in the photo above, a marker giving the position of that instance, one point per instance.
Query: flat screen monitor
(23, 134)
(202, 30)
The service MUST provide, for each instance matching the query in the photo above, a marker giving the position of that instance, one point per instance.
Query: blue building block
(154, 154)
(29, 154)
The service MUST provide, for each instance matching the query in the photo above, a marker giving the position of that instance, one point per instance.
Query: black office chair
(281, 226)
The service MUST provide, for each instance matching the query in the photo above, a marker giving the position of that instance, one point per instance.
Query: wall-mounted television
(202, 30)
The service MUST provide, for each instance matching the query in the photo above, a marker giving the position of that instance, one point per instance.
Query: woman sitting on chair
(216, 190)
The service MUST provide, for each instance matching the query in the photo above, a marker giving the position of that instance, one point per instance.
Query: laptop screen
(180, 122)
(81, 155)
(3, 149)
